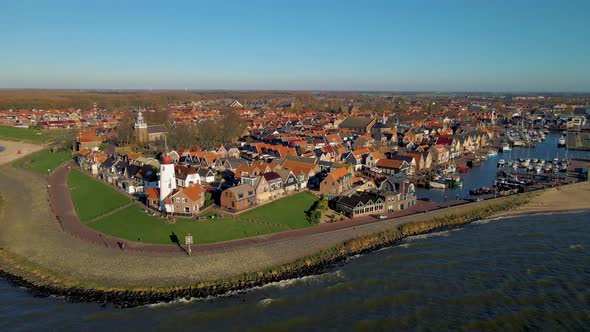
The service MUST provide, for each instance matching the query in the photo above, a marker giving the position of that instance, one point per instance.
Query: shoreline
(12, 148)
(306, 266)
(79, 286)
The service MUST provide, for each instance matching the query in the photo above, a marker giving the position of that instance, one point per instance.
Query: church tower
(141, 131)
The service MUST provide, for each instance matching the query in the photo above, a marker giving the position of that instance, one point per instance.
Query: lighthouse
(167, 179)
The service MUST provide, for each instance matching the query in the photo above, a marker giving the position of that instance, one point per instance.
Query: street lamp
(188, 240)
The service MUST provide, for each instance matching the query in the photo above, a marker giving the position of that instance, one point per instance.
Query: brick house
(336, 182)
(238, 198)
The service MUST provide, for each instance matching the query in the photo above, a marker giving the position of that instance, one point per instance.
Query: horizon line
(509, 92)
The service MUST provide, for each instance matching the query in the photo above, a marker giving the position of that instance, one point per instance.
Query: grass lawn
(133, 224)
(93, 198)
(289, 211)
(43, 160)
(21, 134)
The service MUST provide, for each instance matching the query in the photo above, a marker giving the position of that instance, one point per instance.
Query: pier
(578, 140)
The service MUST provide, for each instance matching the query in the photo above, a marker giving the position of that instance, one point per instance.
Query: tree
(182, 135)
(231, 126)
(125, 133)
(157, 117)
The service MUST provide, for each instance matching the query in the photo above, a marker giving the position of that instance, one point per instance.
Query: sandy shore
(12, 149)
(573, 197)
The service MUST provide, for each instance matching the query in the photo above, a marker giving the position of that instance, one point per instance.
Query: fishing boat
(492, 153)
(437, 185)
(506, 147)
(454, 181)
(561, 142)
(501, 163)
(462, 169)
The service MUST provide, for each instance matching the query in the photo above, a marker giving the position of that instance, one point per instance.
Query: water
(524, 273)
(483, 175)
(2, 148)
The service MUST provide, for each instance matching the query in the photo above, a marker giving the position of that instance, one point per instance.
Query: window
(187, 209)
(177, 200)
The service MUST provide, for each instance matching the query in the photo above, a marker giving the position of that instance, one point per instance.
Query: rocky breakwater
(42, 282)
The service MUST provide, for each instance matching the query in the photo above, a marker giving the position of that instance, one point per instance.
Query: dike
(42, 282)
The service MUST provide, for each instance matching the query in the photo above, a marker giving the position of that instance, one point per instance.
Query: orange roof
(152, 193)
(337, 174)
(194, 192)
(389, 163)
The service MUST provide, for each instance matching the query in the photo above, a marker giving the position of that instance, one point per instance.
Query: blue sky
(437, 45)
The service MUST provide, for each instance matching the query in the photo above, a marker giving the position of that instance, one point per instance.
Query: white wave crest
(266, 301)
(428, 235)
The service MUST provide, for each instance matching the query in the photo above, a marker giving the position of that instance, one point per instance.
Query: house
(440, 154)
(238, 198)
(358, 124)
(392, 166)
(186, 176)
(337, 182)
(289, 179)
(411, 160)
(401, 193)
(275, 184)
(206, 175)
(360, 204)
(147, 177)
(418, 160)
(185, 201)
(261, 188)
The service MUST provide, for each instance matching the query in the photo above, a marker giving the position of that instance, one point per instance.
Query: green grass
(45, 160)
(21, 134)
(33, 135)
(93, 198)
(134, 224)
(289, 211)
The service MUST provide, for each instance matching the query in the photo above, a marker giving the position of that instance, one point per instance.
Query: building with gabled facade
(336, 182)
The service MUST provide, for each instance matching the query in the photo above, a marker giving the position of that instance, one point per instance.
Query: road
(65, 213)
(28, 229)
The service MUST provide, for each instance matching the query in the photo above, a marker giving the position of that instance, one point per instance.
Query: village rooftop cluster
(362, 156)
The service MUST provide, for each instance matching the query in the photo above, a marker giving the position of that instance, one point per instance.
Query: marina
(515, 168)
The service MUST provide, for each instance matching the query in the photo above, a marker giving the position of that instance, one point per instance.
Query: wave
(338, 274)
(266, 301)
(576, 247)
(428, 235)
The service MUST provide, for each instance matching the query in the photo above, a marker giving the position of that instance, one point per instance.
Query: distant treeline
(119, 100)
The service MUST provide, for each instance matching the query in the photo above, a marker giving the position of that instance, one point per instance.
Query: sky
(390, 45)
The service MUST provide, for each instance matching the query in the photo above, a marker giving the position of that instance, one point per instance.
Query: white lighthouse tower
(167, 179)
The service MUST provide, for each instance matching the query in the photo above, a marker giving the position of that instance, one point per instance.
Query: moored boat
(437, 185)
(454, 181)
(463, 169)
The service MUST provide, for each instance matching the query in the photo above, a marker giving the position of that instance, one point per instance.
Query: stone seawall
(43, 282)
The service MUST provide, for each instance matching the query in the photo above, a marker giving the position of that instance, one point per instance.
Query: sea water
(520, 273)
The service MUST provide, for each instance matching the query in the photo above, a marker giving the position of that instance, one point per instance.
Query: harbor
(513, 169)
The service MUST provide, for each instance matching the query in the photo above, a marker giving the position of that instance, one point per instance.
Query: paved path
(65, 213)
(28, 229)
